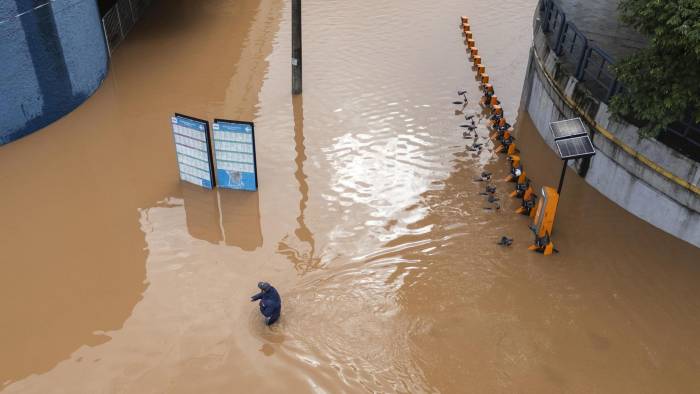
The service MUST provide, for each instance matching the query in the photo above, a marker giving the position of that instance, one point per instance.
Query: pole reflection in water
(300, 248)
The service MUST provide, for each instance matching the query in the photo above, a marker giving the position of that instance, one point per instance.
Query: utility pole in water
(296, 47)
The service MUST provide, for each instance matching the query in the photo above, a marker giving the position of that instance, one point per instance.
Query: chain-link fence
(118, 21)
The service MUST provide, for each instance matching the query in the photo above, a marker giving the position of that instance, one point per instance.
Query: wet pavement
(116, 277)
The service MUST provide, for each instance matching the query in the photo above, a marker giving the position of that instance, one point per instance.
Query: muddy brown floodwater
(116, 277)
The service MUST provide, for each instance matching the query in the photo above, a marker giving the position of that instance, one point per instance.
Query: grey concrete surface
(599, 21)
(618, 175)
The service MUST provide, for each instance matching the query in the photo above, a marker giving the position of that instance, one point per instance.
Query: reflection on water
(72, 254)
(367, 188)
(228, 216)
(240, 219)
(300, 248)
(203, 213)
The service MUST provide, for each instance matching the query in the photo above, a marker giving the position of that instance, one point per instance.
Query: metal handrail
(565, 40)
(118, 21)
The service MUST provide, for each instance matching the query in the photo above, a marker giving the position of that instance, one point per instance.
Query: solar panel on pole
(572, 142)
(575, 147)
(567, 128)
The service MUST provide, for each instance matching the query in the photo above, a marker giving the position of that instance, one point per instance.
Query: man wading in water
(270, 302)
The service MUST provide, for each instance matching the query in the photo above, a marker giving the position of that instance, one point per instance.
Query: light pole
(561, 178)
(296, 47)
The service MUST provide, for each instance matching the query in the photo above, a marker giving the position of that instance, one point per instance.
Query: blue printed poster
(194, 157)
(234, 149)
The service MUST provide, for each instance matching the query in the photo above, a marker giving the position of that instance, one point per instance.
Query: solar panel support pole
(296, 47)
(561, 179)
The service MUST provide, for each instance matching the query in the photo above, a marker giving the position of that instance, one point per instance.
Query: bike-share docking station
(570, 137)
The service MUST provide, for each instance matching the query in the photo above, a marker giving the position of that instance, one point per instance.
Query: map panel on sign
(193, 153)
(234, 149)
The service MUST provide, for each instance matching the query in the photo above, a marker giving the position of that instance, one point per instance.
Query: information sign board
(192, 145)
(234, 149)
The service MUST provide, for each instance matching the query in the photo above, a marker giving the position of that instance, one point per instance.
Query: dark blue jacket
(270, 302)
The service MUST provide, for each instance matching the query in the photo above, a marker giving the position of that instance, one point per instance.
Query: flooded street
(116, 277)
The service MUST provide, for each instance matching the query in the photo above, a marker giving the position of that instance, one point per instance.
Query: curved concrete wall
(53, 58)
(645, 177)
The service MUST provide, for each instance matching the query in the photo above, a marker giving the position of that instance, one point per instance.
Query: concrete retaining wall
(53, 58)
(643, 176)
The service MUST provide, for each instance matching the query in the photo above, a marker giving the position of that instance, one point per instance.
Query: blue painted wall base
(54, 57)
